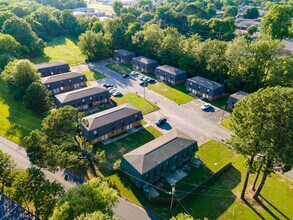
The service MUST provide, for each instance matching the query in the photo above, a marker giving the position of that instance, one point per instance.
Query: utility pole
(223, 107)
(172, 198)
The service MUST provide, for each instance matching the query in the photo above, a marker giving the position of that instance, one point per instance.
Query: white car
(205, 106)
(112, 90)
(141, 77)
(133, 73)
(117, 93)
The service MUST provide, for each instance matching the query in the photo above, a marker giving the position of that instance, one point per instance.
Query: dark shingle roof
(124, 52)
(80, 93)
(50, 64)
(144, 60)
(10, 209)
(171, 70)
(109, 116)
(151, 154)
(60, 77)
(235, 97)
(205, 82)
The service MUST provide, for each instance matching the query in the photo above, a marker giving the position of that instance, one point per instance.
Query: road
(124, 210)
(198, 124)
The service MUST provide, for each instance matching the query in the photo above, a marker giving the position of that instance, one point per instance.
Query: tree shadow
(253, 209)
(268, 210)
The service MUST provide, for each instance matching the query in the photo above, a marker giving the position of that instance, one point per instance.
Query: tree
(7, 167)
(95, 215)
(251, 13)
(260, 129)
(19, 75)
(117, 30)
(31, 186)
(95, 195)
(252, 29)
(222, 29)
(95, 45)
(277, 23)
(230, 11)
(23, 33)
(10, 49)
(182, 216)
(117, 7)
(69, 22)
(37, 98)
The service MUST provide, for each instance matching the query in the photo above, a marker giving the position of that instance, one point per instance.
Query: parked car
(107, 85)
(117, 93)
(150, 80)
(141, 77)
(112, 90)
(205, 106)
(125, 75)
(161, 121)
(133, 73)
(143, 83)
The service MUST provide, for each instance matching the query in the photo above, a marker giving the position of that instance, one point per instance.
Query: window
(81, 78)
(198, 87)
(95, 132)
(91, 98)
(70, 80)
(208, 90)
(190, 84)
(83, 100)
(48, 86)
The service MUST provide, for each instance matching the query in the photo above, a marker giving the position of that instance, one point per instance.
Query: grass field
(93, 75)
(171, 93)
(16, 121)
(226, 123)
(101, 7)
(62, 48)
(120, 68)
(139, 102)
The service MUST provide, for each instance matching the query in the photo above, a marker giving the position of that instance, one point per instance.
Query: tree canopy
(95, 195)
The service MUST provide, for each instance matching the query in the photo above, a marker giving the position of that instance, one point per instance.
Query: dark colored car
(107, 85)
(125, 75)
(161, 121)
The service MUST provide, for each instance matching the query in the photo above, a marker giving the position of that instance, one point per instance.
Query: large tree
(95, 45)
(19, 75)
(261, 129)
(7, 167)
(37, 98)
(23, 33)
(31, 186)
(278, 22)
(95, 195)
(251, 13)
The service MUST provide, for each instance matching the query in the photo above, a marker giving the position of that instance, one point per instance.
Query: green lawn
(16, 121)
(171, 93)
(93, 75)
(226, 123)
(139, 102)
(62, 48)
(120, 68)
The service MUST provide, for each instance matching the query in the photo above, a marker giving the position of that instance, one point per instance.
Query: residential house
(111, 122)
(288, 50)
(52, 68)
(153, 161)
(234, 98)
(144, 64)
(244, 24)
(84, 98)
(169, 74)
(123, 56)
(205, 88)
(10, 209)
(64, 82)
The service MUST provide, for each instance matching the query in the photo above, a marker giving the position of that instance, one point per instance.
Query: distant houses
(169, 74)
(205, 88)
(153, 161)
(234, 98)
(103, 125)
(52, 68)
(144, 64)
(64, 82)
(123, 56)
(84, 98)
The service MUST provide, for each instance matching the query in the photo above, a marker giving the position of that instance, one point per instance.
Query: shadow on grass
(212, 200)
(268, 210)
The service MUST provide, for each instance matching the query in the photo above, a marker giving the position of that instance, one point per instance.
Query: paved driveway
(188, 117)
